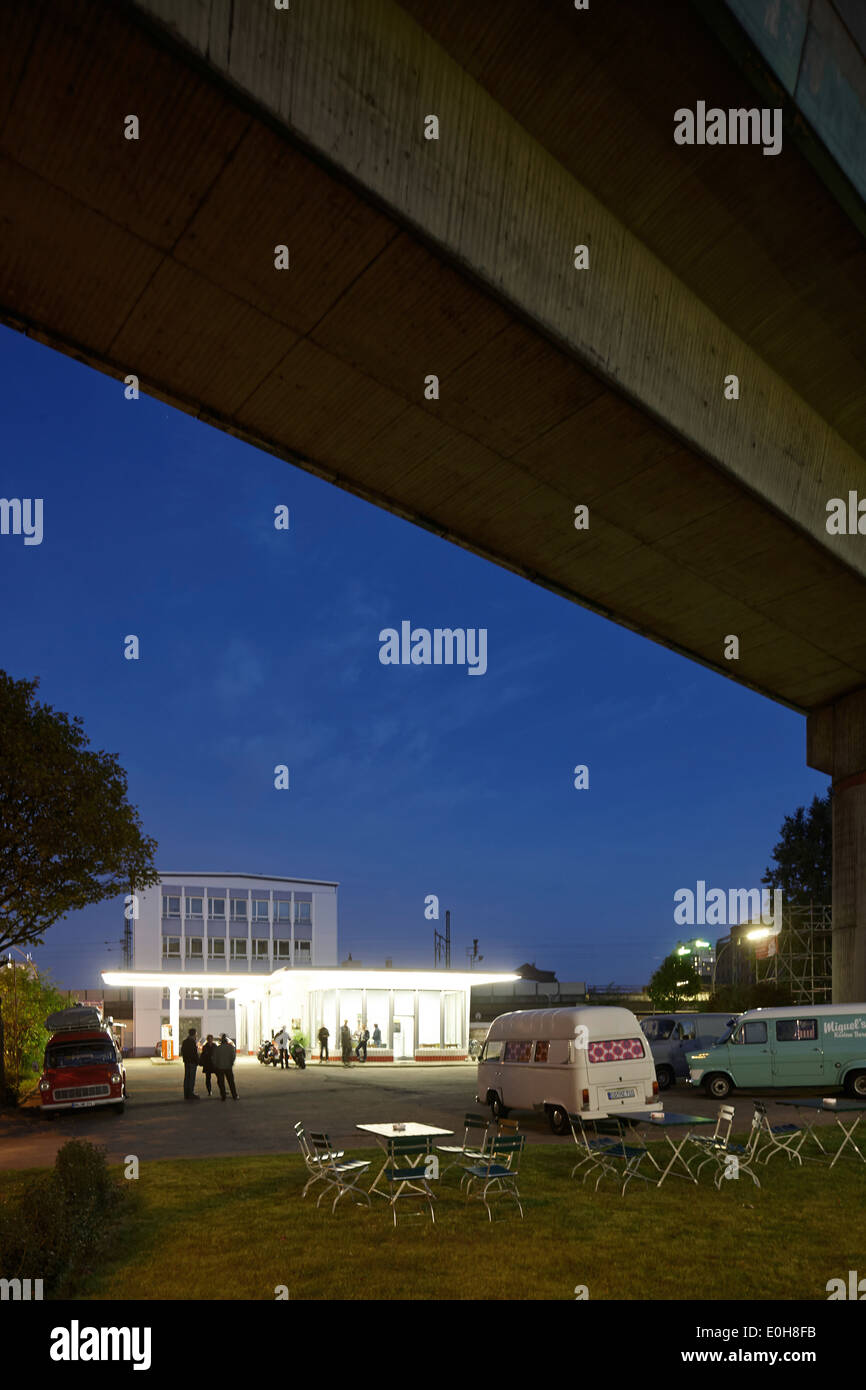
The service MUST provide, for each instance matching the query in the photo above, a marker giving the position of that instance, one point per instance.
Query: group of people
(347, 1042)
(213, 1058)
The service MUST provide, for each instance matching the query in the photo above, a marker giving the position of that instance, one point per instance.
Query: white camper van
(592, 1061)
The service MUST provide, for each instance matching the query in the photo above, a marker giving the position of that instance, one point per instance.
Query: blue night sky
(261, 647)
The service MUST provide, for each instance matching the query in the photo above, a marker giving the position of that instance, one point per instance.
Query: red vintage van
(83, 1065)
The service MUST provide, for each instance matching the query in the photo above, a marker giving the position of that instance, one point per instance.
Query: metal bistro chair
(337, 1174)
(312, 1163)
(409, 1181)
(593, 1148)
(621, 1158)
(780, 1138)
(718, 1141)
(498, 1173)
(475, 1129)
(719, 1149)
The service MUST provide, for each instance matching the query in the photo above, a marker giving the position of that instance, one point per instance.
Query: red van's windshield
(84, 1053)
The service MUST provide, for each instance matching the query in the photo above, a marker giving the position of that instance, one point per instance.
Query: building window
(171, 907)
(239, 948)
(239, 909)
(302, 950)
(194, 996)
(281, 950)
(281, 912)
(193, 907)
(216, 994)
(260, 950)
(193, 947)
(217, 907)
(171, 946)
(260, 909)
(302, 912)
(216, 949)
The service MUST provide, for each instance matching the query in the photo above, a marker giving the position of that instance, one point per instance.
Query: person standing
(207, 1063)
(363, 1039)
(346, 1043)
(323, 1036)
(377, 1035)
(225, 1061)
(282, 1042)
(189, 1054)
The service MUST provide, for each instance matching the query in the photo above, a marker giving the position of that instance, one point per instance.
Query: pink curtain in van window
(616, 1050)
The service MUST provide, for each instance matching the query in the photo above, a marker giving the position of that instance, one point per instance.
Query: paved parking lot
(158, 1123)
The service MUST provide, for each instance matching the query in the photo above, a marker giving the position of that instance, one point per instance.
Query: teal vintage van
(821, 1045)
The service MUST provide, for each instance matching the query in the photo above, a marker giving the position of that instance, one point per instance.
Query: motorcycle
(268, 1053)
(298, 1055)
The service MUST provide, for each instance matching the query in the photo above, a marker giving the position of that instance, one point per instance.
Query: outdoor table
(667, 1121)
(830, 1106)
(385, 1132)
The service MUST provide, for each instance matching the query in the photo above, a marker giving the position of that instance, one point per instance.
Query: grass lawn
(230, 1228)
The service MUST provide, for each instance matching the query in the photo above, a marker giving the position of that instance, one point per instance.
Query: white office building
(206, 933)
(246, 956)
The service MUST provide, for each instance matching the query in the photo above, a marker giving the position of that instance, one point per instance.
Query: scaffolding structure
(800, 957)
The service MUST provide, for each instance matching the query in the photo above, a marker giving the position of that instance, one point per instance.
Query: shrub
(62, 1220)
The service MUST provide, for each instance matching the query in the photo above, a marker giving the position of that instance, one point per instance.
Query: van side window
(797, 1030)
(491, 1051)
(541, 1051)
(688, 1029)
(517, 1051)
(750, 1033)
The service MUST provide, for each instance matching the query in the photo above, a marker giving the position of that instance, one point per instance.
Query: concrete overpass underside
(411, 257)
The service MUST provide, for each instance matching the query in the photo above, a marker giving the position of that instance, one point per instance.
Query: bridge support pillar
(836, 744)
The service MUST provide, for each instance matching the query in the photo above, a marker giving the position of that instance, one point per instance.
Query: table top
(826, 1103)
(670, 1117)
(410, 1130)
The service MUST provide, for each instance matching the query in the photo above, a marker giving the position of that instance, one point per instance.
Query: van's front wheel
(855, 1085)
(497, 1109)
(665, 1077)
(558, 1116)
(718, 1086)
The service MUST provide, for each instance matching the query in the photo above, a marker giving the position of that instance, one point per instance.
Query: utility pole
(442, 944)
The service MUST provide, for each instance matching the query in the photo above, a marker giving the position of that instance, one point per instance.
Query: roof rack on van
(80, 1018)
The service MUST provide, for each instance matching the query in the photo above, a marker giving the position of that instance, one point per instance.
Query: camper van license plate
(83, 1104)
(625, 1094)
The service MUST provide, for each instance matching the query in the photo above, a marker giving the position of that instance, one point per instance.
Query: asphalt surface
(158, 1123)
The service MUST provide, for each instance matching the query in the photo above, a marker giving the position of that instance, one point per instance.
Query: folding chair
(313, 1164)
(631, 1154)
(718, 1141)
(475, 1129)
(337, 1174)
(780, 1138)
(592, 1147)
(723, 1151)
(498, 1172)
(408, 1181)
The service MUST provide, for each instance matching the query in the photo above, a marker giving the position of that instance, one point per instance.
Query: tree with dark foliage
(68, 836)
(803, 867)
